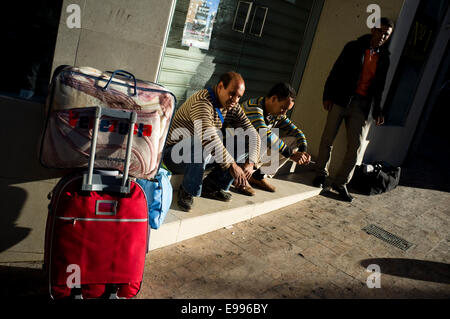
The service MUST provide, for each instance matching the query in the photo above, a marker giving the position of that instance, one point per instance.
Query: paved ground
(313, 249)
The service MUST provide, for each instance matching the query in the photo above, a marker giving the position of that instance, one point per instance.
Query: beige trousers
(357, 126)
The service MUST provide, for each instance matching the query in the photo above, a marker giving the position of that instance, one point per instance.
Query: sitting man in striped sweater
(267, 114)
(195, 142)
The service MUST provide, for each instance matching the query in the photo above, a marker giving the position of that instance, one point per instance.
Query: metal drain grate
(387, 237)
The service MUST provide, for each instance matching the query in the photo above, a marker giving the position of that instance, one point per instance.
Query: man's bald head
(230, 89)
(228, 77)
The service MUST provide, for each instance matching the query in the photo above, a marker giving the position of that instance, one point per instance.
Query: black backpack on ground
(384, 177)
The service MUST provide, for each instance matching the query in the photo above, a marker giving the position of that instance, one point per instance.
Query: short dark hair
(282, 90)
(227, 77)
(387, 22)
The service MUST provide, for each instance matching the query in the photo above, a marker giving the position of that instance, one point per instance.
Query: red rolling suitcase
(97, 229)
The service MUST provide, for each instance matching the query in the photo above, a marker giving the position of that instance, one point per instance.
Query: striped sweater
(198, 116)
(256, 112)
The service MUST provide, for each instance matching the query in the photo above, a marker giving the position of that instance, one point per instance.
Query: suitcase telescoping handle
(97, 182)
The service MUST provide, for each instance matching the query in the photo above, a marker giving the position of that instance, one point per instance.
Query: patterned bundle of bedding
(74, 93)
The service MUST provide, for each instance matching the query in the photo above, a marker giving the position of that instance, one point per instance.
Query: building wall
(340, 22)
(115, 34)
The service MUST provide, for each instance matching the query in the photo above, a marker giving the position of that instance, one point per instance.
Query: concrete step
(208, 215)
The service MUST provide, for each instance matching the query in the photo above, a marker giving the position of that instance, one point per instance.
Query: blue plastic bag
(159, 197)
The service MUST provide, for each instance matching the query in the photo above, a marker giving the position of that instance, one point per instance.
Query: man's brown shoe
(245, 190)
(263, 184)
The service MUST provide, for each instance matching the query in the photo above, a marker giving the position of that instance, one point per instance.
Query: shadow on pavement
(23, 282)
(412, 269)
(328, 193)
(10, 233)
(434, 177)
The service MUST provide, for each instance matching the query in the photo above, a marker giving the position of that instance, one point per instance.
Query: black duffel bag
(375, 178)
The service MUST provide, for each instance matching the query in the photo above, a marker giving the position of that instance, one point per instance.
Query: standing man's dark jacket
(344, 76)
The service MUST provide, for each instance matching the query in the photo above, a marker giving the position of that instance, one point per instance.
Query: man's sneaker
(185, 200)
(319, 181)
(211, 192)
(343, 192)
(263, 184)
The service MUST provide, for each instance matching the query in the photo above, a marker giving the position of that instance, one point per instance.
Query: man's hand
(248, 169)
(301, 158)
(327, 105)
(238, 174)
(379, 120)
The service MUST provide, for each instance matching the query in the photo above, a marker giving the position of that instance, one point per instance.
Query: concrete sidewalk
(311, 249)
(315, 249)
(209, 215)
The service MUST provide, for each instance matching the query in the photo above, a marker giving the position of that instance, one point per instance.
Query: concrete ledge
(209, 215)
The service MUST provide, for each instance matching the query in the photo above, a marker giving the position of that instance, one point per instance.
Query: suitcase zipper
(123, 220)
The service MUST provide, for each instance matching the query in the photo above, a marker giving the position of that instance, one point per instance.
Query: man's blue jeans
(194, 165)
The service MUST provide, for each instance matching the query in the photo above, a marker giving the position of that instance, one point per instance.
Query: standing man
(354, 87)
(194, 142)
(269, 113)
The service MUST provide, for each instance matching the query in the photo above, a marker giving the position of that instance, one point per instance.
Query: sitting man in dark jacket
(354, 87)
